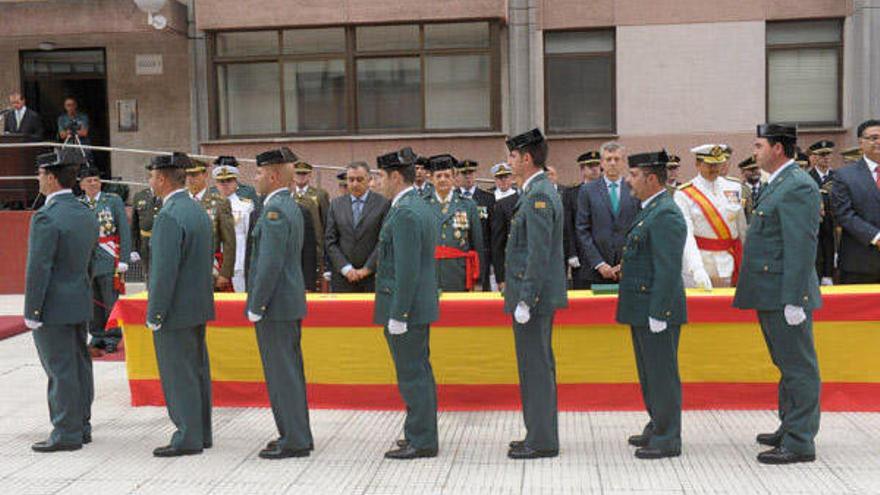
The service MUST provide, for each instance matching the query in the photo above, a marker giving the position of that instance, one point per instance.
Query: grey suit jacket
(347, 243)
(856, 202)
(600, 234)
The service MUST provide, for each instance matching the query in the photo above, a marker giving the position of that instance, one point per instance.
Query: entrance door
(49, 77)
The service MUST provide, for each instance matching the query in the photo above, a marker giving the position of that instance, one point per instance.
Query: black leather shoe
(87, 438)
(781, 455)
(655, 453)
(46, 446)
(273, 444)
(402, 443)
(277, 453)
(516, 444)
(169, 451)
(769, 439)
(207, 445)
(638, 440)
(526, 452)
(410, 452)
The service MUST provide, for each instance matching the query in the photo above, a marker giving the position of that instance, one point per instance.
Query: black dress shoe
(526, 452)
(277, 453)
(638, 440)
(769, 439)
(410, 452)
(781, 455)
(169, 451)
(655, 453)
(402, 443)
(207, 445)
(273, 444)
(87, 438)
(46, 446)
(516, 444)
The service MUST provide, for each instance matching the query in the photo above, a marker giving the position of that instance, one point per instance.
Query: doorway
(49, 77)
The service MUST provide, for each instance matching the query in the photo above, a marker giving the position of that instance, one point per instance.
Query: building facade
(344, 80)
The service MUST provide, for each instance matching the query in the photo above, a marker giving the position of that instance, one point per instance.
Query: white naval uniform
(726, 195)
(241, 213)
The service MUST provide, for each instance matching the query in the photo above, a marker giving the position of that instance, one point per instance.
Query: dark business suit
(349, 244)
(580, 277)
(31, 124)
(601, 234)
(501, 217)
(855, 198)
(825, 248)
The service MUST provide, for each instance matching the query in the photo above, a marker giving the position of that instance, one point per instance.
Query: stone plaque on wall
(148, 65)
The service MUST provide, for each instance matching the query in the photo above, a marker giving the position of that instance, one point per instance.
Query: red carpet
(10, 326)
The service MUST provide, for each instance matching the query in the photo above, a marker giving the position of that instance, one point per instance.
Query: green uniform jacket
(58, 287)
(650, 276)
(459, 228)
(406, 285)
(779, 256)
(181, 292)
(144, 210)
(223, 230)
(275, 279)
(112, 220)
(534, 264)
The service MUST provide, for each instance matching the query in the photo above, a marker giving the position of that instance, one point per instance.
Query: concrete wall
(121, 29)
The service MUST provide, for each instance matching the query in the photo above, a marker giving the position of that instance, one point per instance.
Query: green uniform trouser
(105, 297)
(537, 381)
(66, 361)
(185, 373)
(794, 353)
(279, 343)
(415, 381)
(657, 364)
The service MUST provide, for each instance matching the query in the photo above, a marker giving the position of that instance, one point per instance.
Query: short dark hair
(407, 173)
(357, 165)
(71, 98)
(538, 152)
(789, 147)
(66, 176)
(176, 176)
(864, 125)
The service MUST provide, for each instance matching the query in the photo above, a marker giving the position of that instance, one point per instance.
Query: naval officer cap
(396, 160)
(501, 170)
(589, 158)
(174, 160)
(712, 153)
(520, 141)
(224, 172)
(342, 177)
(467, 165)
(674, 161)
(276, 157)
(852, 154)
(748, 164)
(59, 159)
(778, 132)
(442, 162)
(823, 147)
(654, 159)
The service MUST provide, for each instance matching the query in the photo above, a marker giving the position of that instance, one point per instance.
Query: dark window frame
(839, 45)
(610, 55)
(350, 57)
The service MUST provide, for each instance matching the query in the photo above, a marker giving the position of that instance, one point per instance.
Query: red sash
(218, 262)
(110, 244)
(725, 240)
(472, 262)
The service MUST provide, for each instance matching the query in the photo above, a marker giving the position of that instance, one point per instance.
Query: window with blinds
(805, 72)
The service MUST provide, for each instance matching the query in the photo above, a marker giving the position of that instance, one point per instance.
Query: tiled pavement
(719, 451)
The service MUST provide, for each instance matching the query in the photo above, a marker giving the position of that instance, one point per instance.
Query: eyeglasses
(873, 138)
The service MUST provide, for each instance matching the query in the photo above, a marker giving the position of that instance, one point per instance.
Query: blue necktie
(615, 199)
(357, 208)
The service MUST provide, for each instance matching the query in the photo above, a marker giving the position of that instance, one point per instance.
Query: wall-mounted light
(152, 8)
(46, 46)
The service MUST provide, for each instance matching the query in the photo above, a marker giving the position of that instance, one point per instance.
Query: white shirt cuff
(345, 269)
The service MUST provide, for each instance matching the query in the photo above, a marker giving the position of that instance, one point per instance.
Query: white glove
(122, 267)
(134, 257)
(656, 326)
(396, 327)
(327, 276)
(253, 317)
(574, 262)
(702, 280)
(794, 315)
(32, 325)
(153, 326)
(827, 281)
(522, 314)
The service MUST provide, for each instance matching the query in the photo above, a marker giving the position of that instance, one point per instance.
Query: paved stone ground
(719, 450)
